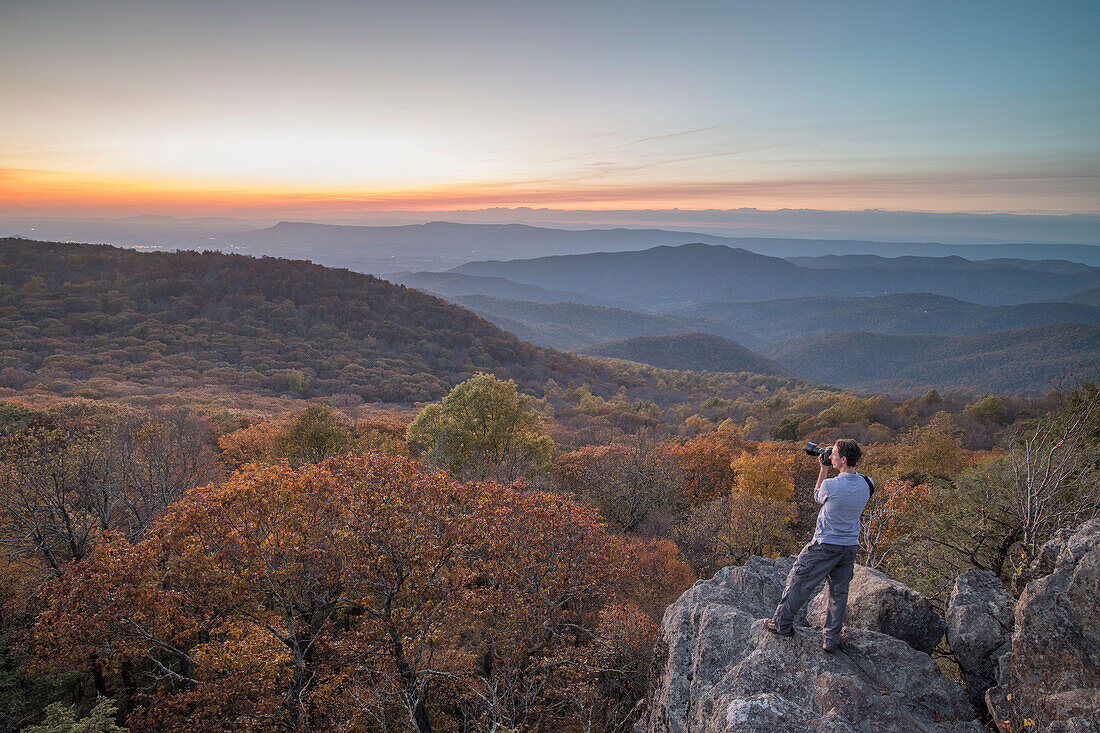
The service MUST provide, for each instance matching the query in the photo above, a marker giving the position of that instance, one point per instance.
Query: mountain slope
(905, 313)
(1024, 360)
(74, 313)
(569, 326)
(689, 352)
(451, 285)
(1085, 297)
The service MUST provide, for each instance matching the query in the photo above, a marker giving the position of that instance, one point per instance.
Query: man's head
(846, 452)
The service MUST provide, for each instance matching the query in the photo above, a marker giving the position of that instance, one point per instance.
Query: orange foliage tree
(933, 451)
(706, 465)
(894, 513)
(362, 593)
(66, 481)
(627, 480)
(754, 517)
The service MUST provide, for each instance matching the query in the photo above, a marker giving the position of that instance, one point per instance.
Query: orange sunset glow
(45, 193)
(148, 108)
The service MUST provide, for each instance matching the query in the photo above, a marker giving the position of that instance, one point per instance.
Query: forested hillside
(689, 351)
(1026, 360)
(570, 326)
(99, 321)
(905, 313)
(452, 285)
(75, 313)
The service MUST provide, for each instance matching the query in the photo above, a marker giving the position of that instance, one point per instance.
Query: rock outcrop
(1051, 676)
(717, 669)
(880, 603)
(979, 629)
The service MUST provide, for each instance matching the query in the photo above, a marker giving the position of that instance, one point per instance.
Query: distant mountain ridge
(447, 244)
(666, 278)
(950, 262)
(441, 245)
(1032, 360)
(689, 352)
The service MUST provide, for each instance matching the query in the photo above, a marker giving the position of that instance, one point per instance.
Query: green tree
(931, 451)
(61, 718)
(313, 435)
(989, 409)
(483, 429)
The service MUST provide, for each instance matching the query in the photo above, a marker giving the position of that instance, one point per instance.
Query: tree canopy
(483, 428)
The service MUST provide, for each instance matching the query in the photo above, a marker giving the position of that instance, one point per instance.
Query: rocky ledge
(1031, 664)
(718, 669)
(1049, 678)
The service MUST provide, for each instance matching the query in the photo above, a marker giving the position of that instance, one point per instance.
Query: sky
(331, 108)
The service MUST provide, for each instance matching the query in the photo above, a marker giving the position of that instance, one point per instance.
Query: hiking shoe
(769, 624)
(830, 648)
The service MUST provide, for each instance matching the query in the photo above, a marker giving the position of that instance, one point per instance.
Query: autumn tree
(654, 576)
(314, 434)
(627, 479)
(68, 480)
(753, 518)
(239, 592)
(482, 429)
(996, 514)
(896, 512)
(966, 524)
(769, 472)
(61, 718)
(931, 451)
(544, 574)
(701, 535)
(310, 436)
(763, 502)
(706, 465)
(360, 593)
(1056, 469)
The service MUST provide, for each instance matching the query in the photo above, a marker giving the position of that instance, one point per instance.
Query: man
(831, 555)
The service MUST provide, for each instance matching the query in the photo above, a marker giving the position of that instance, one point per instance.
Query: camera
(824, 454)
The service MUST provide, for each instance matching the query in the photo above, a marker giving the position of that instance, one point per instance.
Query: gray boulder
(1052, 673)
(718, 670)
(880, 603)
(979, 629)
(1043, 564)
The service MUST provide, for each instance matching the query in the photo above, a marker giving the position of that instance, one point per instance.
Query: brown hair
(850, 450)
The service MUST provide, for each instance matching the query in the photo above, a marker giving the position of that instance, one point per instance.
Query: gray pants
(832, 563)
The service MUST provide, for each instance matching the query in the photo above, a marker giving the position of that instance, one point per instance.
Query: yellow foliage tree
(768, 473)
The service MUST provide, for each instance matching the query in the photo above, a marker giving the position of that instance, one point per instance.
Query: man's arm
(820, 495)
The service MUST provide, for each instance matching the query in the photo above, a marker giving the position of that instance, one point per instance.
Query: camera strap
(870, 485)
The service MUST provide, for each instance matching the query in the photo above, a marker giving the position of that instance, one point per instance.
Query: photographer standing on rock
(831, 555)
